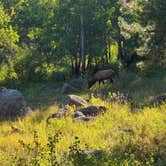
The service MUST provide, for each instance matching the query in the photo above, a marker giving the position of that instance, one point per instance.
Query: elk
(101, 76)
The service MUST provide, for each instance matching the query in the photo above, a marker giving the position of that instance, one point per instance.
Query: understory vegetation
(46, 45)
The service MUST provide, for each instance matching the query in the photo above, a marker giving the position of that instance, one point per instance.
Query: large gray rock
(74, 100)
(92, 110)
(12, 104)
(67, 88)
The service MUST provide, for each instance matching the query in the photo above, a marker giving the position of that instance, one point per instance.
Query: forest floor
(125, 136)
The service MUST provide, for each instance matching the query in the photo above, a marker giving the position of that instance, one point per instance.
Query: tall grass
(125, 136)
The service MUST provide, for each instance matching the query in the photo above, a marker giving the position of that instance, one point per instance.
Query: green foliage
(156, 14)
(36, 36)
(8, 37)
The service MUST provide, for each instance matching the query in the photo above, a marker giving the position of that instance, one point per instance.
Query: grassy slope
(145, 144)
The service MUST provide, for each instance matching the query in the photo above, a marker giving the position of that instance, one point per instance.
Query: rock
(74, 100)
(77, 114)
(92, 110)
(58, 76)
(84, 118)
(62, 112)
(67, 88)
(12, 104)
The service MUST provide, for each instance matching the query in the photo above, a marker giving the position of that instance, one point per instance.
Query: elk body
(101, 76)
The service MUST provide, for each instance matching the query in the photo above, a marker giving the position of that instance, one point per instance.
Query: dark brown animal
(101, 76)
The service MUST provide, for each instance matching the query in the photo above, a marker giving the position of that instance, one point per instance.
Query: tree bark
(82, 44)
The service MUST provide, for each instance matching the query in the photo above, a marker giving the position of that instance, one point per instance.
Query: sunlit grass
(106, 132)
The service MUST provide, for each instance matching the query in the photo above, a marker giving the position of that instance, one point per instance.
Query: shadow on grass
(141, 85)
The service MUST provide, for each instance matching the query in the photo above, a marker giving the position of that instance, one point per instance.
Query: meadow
(123, 135)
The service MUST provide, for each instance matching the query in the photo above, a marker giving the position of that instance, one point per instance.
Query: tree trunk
(89, 62)
(122, 52)
(82, 44)
(77, 65)
(108, 54)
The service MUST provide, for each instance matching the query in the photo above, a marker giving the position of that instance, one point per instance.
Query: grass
(127, 137)
(108, 132)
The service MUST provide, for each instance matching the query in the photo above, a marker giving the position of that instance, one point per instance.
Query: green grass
(127, 137)
(146, 143)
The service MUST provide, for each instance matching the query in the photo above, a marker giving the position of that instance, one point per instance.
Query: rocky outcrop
(86, 113)
(83, 114)
(12, 104)
(74, 100)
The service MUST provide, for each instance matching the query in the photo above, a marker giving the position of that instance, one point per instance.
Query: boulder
(92, 110)
(74, 100)
(67, 88)
(12, 104)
